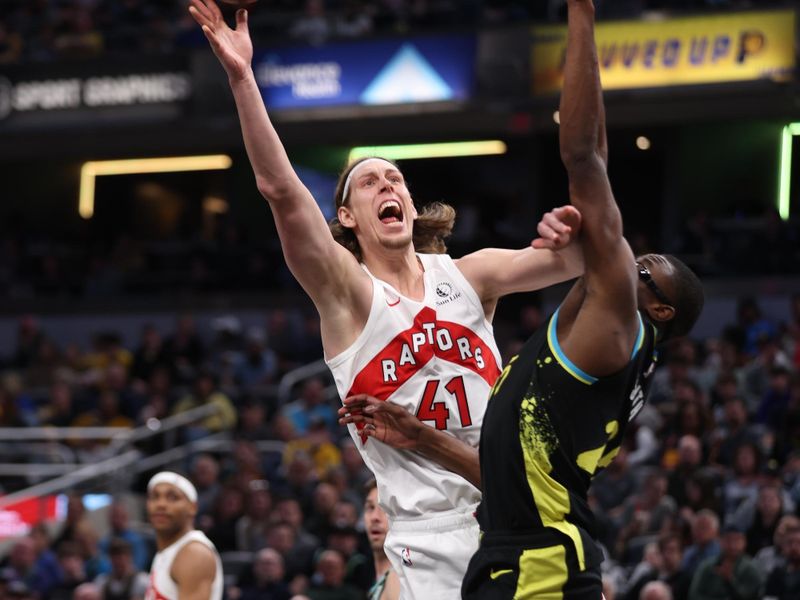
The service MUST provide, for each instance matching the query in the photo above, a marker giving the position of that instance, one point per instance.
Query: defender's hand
(233, 47)
(387, 422)
(558, 228)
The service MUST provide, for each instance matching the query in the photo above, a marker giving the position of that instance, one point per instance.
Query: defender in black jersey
(549, 427)
(559, 410)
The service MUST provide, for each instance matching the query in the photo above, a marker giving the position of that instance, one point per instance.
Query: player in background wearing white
(413, 329)
(387, 585)
(186, 565)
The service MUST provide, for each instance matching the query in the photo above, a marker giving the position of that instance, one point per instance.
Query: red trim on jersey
(370, 379)
(152, 592)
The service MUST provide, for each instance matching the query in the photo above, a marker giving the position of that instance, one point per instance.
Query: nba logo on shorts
(406, 556)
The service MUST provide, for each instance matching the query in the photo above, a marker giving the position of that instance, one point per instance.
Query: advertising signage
(54, 94)
(368, 73)
(682, 51)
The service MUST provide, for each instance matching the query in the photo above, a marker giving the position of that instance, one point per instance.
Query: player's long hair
(433, 225)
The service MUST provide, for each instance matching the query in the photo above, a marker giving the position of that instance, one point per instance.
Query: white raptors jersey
(162, 586)
(436, 358)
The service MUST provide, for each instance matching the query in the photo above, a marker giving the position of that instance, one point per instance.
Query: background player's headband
(356, 168)
(179, 481)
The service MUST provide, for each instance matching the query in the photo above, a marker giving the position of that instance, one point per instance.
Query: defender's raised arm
(603, 315)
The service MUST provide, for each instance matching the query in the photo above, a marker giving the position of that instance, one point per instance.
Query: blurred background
(148, 320)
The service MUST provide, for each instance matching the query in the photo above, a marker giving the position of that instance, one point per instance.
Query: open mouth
(390, 212)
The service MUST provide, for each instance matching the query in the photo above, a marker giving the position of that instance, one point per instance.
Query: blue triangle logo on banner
(407, 77)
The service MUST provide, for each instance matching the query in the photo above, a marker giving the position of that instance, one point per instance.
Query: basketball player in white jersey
(186, 566)
(399, 319)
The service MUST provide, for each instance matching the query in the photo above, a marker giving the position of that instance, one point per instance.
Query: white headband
(179, 481)
(356, 168)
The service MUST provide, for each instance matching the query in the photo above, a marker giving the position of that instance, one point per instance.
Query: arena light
(90, 171)
(437, 150)
(785, 170)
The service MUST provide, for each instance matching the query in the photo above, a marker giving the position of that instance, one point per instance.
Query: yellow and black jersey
(548, 429)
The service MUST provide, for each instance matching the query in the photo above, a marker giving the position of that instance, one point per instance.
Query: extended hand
(558, 228)
(387, 422)
(233, 47)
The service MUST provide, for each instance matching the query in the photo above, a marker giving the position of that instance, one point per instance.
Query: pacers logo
(751, 43)
(405, 554)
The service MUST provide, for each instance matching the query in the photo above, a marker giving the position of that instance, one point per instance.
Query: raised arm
(320, 264)
(398, 428)
(554, 257)
(598, 324)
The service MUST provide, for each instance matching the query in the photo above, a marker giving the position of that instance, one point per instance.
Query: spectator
(59, 411)
(774, 556)
(125, 581)
(150, 354)
(690, 456)
(327, 583)
(20, 566)
(288, 512)
(120, 529)
(647, 570)
(656, 590)
(769, 510)
(258, 365)
(297, 558)
(742, 485)
(252, 421)
(29, 339)
(318, 446)
(775, 403)
(184, 350)
(87, 539)
(353, 20)
(614, 484)
(251, 527)
(784, 580)
(359, 570)
(73, 571)
(691, 418)
(312, 405)
(356, 472)
(206, 393)
(313, 27)
(644, 514)
(671, 572)
(705, 541)
(227, 511)
(46, 568)
(76, 516)
(267, 581)
(730, 575)
(10, 45)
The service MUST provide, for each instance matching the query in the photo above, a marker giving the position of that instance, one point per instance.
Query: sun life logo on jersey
(405, 554)
(445, 291)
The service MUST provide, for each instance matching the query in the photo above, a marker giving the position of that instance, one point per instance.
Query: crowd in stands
(703, 498)
(45, 30)
(234, 261)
